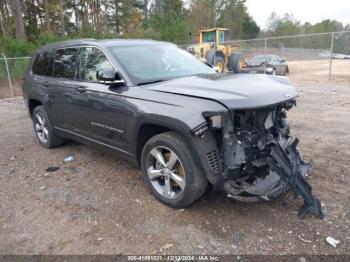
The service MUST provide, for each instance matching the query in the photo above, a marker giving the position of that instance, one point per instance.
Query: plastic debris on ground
(69, 159)
(333, 242)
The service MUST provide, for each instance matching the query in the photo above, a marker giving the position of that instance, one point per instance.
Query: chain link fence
(12, 70)
(315, 57)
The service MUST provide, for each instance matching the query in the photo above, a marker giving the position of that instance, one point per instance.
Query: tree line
(27, 24)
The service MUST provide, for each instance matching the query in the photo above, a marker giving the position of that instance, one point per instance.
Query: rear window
(42, 64)
(64, 63)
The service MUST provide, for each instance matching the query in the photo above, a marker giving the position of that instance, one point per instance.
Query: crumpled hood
(235, 91)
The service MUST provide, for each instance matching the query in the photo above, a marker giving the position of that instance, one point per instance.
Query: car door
(41, 72)
(102, 109)
(61, 88)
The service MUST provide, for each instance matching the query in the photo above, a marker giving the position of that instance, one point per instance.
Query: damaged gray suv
(162, 109)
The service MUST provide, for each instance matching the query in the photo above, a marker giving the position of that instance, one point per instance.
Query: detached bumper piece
(289, 166)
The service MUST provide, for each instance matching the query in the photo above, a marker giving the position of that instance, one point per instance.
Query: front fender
(204, 148)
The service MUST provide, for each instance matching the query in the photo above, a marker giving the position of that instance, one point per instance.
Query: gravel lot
(99, 204)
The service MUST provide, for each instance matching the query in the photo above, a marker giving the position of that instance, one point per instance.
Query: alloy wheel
(166, 172)
(41, 128)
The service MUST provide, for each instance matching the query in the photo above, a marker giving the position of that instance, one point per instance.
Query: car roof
(101, 43)
(262, 56)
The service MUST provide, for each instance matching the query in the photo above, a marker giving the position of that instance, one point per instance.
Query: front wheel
(220, 64)
(170, 170)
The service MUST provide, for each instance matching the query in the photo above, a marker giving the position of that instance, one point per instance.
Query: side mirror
(108, 77)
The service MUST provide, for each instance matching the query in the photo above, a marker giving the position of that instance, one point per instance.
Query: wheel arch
(200, 147)
(151, 126)
(32, 104)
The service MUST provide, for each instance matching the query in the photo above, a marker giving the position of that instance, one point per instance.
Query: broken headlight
(214, 119)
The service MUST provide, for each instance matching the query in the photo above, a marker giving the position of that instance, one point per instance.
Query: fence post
(265, 48)
(331, 58)
(8, 74)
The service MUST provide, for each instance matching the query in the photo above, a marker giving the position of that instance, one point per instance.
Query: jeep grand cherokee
(159, 107)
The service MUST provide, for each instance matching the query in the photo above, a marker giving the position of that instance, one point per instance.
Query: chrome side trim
(107, 127)
(93, 140)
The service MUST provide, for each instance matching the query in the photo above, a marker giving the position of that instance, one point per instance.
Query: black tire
(286, 71)
(214, 58)
(51, 140)
(209, 56)
(220, 63)
(234, 62)
(196, 181)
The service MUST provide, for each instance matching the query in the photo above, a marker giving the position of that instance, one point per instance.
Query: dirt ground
(310, 70)
(99, 204)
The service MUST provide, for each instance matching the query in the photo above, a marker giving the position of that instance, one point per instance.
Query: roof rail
(68, 41)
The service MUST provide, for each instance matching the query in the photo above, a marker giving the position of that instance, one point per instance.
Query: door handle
(81, 89)
(46, 84)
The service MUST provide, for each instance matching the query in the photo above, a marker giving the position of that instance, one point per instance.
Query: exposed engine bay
(260, 158)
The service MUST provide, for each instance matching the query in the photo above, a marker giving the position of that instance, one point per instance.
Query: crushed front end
(260, 159)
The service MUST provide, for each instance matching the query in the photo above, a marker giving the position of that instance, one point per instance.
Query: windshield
(262, 57)
(150, 63)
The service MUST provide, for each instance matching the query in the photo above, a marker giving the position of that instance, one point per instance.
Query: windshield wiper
(151, 82)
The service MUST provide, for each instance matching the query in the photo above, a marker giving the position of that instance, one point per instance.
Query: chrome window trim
(86, 46)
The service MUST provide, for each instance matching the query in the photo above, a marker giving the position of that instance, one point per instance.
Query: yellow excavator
(211, 48)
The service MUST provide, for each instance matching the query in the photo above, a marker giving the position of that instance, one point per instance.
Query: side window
(91, 60)
(64, 63)
(42, 64)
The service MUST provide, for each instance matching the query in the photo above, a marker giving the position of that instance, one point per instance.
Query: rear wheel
(170, 170)
(236, 62)
(43, 129)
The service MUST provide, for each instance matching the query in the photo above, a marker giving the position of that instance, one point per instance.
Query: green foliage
(250, 29)
(168, 20)
(232, 14)
(46, 38)
(281, 26)
(151, 33)
(287, 25)
(169, 24)
(14, 48)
